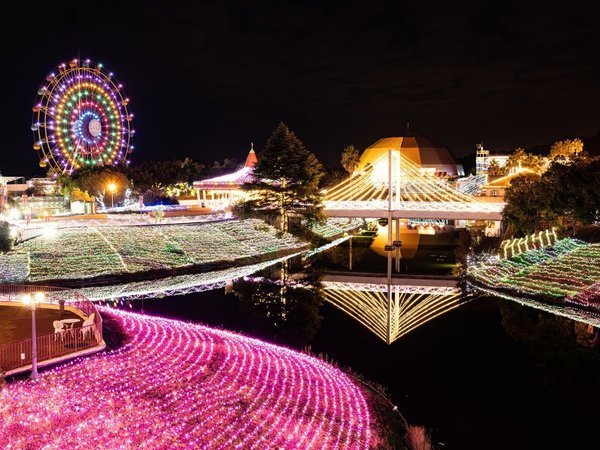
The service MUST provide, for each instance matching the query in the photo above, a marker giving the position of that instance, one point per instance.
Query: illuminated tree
(96, 182)
(523, 204)
(286, 181)
(36, 188)
(494, 169)
(566, 150)
(520, 159)
(565, 195)
(350, 158)
(77, 195)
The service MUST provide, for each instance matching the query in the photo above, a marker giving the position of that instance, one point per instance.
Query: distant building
(46, 185)
(44, 202)
(483, 159)
(495, 189)
(7, 184)
(430, 156)
(223, 191)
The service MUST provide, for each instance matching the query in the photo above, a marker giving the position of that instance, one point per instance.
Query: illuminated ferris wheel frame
(81, 119)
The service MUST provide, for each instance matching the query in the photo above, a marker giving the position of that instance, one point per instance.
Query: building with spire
(221, 192)
(483, 159)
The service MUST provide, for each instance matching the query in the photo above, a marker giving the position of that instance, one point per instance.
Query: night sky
(206, 79)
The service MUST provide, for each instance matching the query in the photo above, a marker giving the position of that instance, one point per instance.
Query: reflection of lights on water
(426, 230)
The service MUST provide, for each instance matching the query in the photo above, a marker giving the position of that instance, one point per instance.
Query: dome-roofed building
(431, 156)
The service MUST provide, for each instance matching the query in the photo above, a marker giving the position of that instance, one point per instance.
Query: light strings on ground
(179, 385)
(565, 269)
(76, 253)
(562, 310)
(176, 285)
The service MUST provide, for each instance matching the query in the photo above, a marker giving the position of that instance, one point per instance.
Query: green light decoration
(85, 252)
(561, 271)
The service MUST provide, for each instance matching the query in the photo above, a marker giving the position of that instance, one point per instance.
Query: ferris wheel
(81, 119)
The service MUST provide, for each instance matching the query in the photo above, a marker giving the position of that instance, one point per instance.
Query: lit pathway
(177, 385)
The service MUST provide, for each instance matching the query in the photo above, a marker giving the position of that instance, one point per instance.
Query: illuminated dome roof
(419, 149)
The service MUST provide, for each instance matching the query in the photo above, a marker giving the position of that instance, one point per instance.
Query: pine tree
(286, 180)
(350, 159)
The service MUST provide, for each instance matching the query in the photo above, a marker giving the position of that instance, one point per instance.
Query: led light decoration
(176, 285)
(85, 252)
(565, 310)
(471, 185)
(514, 247)
(81, 119)
(412, 189)
(412, 306)
(563, 270)
(588, 297)
(333, 227)
(180, 385)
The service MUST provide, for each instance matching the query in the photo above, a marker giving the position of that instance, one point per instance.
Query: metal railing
(57, 344)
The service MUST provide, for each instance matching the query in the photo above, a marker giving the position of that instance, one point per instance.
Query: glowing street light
(112, 187)
(27, 299)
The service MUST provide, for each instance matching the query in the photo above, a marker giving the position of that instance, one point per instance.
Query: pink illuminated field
(177, 385)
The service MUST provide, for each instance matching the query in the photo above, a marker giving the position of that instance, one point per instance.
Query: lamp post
(27, 299)
(112, 187)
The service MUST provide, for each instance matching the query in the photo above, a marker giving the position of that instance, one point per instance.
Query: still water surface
(486, 375)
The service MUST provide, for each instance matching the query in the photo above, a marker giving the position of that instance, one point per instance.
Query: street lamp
(27, 299)
(112, 187)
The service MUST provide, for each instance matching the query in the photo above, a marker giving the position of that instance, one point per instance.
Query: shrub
(152, 198)
(6, 239)
(418, 438)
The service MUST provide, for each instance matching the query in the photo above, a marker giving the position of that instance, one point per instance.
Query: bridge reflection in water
(414, 301)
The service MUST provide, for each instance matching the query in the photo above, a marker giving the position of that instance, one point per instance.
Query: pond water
(487, 374)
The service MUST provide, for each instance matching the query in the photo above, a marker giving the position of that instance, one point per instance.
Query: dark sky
(207, 78)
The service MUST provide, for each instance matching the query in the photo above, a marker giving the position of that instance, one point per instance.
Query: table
(69, 323)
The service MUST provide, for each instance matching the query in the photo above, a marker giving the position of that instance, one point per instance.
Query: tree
(515, 159)
(494, 169)
(350, 158)
(6, 240)
(565, 195)
(276, 311)
(286, 180)
(523, 206)
(566, 150)
(77, 195)
(572, 190)
(521, 159)
(65, 184)
(159, 175)
(96, 183)
(534, 163)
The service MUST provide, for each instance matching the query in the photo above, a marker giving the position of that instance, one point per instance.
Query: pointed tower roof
(251, 160)
(232, 180)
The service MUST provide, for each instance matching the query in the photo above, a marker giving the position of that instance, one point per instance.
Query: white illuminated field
(85, 252)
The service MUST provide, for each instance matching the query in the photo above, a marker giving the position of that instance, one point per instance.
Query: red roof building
(222, 191)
